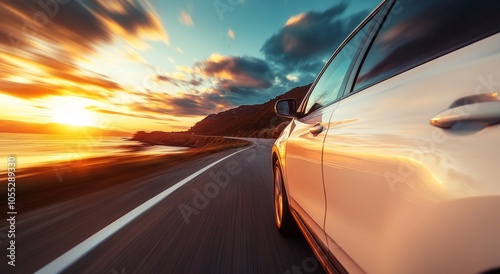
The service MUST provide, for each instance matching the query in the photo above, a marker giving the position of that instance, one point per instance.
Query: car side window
(328, 88)
(416, 32)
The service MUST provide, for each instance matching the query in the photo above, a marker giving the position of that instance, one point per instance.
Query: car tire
(282, 216)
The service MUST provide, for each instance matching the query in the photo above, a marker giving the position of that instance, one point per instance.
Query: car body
(389, 165)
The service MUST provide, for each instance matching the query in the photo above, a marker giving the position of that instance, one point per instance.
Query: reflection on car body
(390, 163)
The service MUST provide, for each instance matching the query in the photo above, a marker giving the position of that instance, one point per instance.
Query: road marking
(77, 252)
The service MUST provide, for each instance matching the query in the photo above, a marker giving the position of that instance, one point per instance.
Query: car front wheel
(282, 215)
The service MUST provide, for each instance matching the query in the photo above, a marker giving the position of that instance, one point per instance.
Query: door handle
(482, 112)
(316, 129)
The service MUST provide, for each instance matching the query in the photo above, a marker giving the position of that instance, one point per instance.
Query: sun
(74, 114)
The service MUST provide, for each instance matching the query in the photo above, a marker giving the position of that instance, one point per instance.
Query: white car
(391, 164)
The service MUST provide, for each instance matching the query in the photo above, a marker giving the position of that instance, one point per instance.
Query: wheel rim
(278, 197)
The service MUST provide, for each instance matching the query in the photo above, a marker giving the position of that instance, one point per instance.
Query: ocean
(36, 149)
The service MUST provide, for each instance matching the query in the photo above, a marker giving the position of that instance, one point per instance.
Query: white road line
(77, 252)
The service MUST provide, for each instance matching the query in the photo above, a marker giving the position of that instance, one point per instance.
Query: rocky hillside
(248, 120)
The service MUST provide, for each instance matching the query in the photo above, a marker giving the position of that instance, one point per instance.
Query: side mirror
(286, 108)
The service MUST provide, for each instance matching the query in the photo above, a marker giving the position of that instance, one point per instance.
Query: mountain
(248, 120)
(8, 126)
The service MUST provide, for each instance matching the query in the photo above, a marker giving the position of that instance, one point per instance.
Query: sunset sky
(160, 65)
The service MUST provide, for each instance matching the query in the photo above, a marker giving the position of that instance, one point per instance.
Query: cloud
(308, 38)
(29, 90)
(61, 24)
(130, 114)
(135, 22)
(292, 78)
(132, 55)
(229, 74)
(185, 18)
(44, 41)
(295, 19)
(40, 58)
(230, 33)
(187, 105)
(213, 85)
(236, 72)
(37, 76)
(294, 56)
(177, 79)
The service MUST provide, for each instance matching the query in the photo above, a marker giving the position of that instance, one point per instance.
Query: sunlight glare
(73, 114)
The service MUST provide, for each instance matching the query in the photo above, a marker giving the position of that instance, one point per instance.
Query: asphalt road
(219, 222)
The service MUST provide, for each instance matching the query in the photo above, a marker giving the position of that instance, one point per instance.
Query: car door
(390, 169)
(305, 142)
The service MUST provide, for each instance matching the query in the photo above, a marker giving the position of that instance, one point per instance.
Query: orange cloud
(39, 76)
(42, 43)
(295, 19)
(132, 55)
